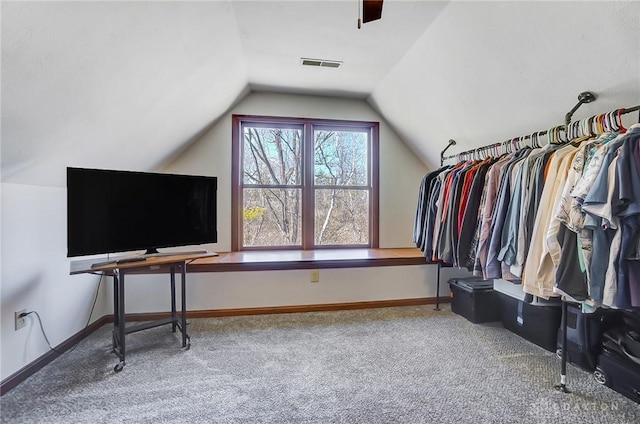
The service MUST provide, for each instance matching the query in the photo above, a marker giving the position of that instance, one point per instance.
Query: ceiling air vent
(320, 62)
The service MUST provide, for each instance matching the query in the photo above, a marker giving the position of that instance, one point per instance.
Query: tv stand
(118, 269)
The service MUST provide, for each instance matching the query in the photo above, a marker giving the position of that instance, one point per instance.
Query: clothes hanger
(583, 127)
(571, 130)
(537, 140)
(550, 136)
(596, 125)
(534, 140)
(619, 121)
(607, 122)
(589, 126)
(600, 124)
(577, 128)
(613, 124)
(592, 125)
(531, 141)
(606, 125)
(558, 130)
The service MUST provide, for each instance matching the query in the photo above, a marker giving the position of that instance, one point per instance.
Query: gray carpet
(389, 365)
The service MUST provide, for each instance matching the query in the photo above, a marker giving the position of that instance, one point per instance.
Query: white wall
(35, 275)
(255, 289)
(400, 170)
(35, 270)
(400, 174)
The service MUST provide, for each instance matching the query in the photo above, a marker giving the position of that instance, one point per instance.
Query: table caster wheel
(119, 366)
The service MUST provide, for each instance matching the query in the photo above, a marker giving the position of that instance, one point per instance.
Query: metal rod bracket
(451, 143)
(584, 97)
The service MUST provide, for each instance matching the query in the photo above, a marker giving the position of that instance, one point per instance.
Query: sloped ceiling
(128, 84)
(485, 72)
(111, 84)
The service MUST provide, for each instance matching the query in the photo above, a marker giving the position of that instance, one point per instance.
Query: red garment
(464, 195)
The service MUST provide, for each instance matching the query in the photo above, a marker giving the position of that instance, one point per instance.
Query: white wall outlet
(315, 275)
(20, 321)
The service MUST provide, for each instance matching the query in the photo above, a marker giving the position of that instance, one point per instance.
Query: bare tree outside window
(341, 187)
(304, 183)
(272, 180)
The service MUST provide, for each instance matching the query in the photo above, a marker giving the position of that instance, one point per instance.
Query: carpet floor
(387, 365)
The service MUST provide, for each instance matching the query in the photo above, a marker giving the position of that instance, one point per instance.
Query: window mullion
(308, 196)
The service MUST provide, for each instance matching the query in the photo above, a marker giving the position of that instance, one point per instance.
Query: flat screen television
(112, 211)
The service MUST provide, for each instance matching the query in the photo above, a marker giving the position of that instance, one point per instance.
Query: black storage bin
(583, 337)
(616, 371)
(536, 323)
(474, 299)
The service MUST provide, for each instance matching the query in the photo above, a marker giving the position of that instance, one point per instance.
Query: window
(304, 183)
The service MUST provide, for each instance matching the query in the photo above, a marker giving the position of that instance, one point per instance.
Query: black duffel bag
(625, 336)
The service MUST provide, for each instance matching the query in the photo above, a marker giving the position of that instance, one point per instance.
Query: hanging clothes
(592, 238)
(561, 219)
(538, 275)
(468, 241)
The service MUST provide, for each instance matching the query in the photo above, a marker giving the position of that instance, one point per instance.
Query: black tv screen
(117, 211)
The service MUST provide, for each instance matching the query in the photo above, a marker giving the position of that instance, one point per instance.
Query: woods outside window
(304, 183)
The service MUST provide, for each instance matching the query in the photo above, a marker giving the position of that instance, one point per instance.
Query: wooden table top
(133, 262)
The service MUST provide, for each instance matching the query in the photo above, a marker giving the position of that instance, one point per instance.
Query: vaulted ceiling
(128, 84)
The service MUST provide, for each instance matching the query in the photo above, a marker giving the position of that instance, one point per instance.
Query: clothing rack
(492, 147)
(584, 97)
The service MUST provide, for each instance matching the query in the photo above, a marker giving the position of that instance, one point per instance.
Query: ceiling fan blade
(371, 10)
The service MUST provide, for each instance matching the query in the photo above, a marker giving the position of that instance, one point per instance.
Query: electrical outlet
(20, 321)
(315, 275)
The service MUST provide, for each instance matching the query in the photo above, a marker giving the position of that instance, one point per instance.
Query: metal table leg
(119, 328)
(186, 340)
(119, 321)
(116, 315)
(174, 316)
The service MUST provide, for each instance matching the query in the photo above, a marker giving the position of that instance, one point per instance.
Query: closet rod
(504, 143)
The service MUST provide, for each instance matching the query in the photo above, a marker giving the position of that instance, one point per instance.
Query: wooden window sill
(308, 259)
